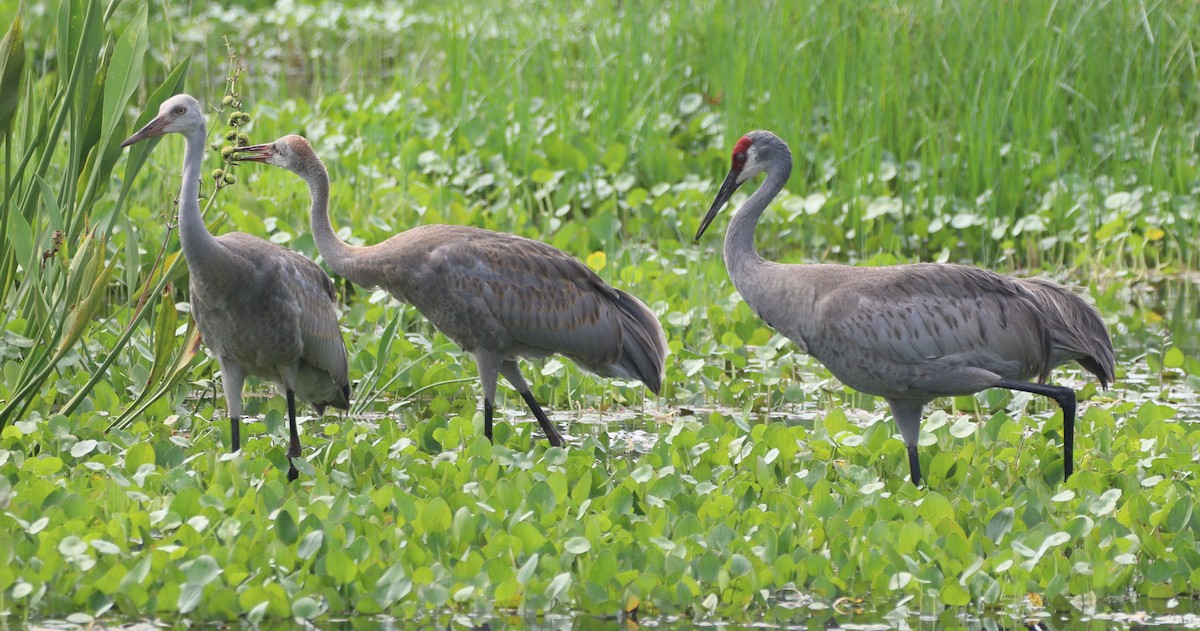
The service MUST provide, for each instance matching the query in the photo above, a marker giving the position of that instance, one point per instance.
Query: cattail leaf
(12, 65)
(20, 235)
(164, 337)
(124, 71)
(81, 316)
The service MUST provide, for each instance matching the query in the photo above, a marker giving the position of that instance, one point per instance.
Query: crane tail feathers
(1078, 331)
(643, 344)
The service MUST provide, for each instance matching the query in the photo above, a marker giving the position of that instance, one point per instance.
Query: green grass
(1053, 138)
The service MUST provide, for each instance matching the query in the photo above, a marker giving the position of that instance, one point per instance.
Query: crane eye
(739, 157)
(180, 111)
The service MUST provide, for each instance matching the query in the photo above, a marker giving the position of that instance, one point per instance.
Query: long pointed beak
(154, 128)
(254, 153)
(727, 188)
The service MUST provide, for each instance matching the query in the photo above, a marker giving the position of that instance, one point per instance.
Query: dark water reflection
(1167, 614)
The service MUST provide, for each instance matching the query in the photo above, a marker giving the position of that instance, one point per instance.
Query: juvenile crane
(909, 333)
(497, 295)
(263, 310)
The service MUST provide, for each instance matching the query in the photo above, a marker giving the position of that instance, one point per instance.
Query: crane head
(291, 152)
(754, 153)
(180, 113)
(738, 173)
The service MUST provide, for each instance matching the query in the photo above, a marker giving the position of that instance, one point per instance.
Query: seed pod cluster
(234, 138)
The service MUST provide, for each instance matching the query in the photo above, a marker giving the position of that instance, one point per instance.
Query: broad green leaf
(614, 158)
(82, 315)
(954, 595)
(285, 527)
(1065, 496)
(340, 566)
(306, 608)
(310, 544)
(202, 571)
(436, 516)
(558, 586)
(105, 547)
(20, 236)
(577, 545)
(1106, 503)
(527, 570)
(1000, 524)
(164, 339)
(43, 466)
(190, 596)
(1180, 514)
(124, 71)
(138, 455)
(12, 67)
(83, 448)
(1173, 358)
(72, 546)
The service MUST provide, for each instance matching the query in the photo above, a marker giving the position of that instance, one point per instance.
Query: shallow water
(796, 613)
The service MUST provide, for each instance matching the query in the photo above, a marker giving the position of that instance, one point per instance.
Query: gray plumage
(909, 333)
(263, 310)
(497, 295)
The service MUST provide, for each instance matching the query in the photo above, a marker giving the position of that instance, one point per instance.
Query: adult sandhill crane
(497, 295)
(909, 333)
(263, 310)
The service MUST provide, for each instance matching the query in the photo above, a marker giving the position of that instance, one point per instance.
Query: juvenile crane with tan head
(497, 295)
(909, 333)
(263, 310)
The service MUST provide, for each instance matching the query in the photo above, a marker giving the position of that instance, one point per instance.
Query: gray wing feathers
(282, 291)
(644, 344)
(322, 340)
(550, 302)
(917, 313)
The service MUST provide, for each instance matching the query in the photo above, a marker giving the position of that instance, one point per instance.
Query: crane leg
(232, 380)
(907, 414)
(552, 434)
(488, 413)
(512, 373)
(293, 437)
(914, 464)
(1065, 398)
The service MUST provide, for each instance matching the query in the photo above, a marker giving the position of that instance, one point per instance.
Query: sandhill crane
(497, 295)
(263, 310)
(909, 333)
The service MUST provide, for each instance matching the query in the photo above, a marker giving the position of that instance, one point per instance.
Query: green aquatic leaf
(558, 586)
(1000, 524)
(202, 571)
(527, 569)
(306, 608)
(577, 545)
(285, 527)
(310, 544)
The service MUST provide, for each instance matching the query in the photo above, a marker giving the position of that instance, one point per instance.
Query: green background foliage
(1054, 138)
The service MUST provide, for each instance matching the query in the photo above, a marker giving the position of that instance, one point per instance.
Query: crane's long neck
(340, 256)
(200, 248)
(741, 257)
